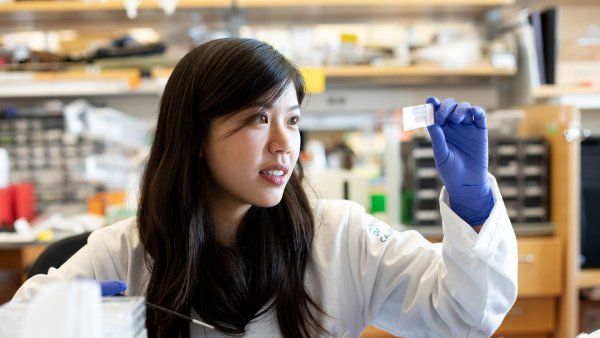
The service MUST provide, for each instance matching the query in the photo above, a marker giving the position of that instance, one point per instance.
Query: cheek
(240, 151)
(249, 146)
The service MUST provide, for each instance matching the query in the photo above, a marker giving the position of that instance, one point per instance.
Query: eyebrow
(268, 106)
(296, 107)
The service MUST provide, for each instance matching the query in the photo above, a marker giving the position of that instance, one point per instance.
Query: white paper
(417, 116)
(65, 310)
(73, 309)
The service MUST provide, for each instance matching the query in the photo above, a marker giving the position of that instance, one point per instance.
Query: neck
(227, 219)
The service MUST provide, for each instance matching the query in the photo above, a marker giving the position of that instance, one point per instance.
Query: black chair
(57, 253)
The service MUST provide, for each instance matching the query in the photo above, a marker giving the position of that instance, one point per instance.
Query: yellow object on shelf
(348, 38)
(314, 79)
(45, 236)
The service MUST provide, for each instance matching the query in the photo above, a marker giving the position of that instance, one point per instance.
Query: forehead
(288, 96)
(286, 100)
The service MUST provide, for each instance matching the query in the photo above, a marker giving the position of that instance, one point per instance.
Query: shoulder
(334, 210)
(120, 235)
(116, 252)
(334, 217)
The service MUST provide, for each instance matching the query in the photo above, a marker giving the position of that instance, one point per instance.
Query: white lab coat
(362, 272)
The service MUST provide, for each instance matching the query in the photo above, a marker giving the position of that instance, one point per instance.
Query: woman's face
(251, 166)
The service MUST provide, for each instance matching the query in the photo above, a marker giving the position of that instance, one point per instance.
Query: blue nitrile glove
(112, 287)
(460, 148)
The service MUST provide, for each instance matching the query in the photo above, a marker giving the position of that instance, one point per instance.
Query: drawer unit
(529, 316)
(540, 267)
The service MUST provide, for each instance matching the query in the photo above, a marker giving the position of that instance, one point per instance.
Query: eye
(262, 117)
(294, 120)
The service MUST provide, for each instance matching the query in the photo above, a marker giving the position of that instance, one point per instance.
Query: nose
(279, 139)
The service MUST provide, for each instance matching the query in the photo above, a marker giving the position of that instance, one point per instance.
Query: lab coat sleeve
(96, 260)
(462, 287)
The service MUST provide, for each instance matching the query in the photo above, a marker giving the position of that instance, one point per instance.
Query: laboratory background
(80, 83)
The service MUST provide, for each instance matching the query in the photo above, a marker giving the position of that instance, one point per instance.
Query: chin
(268, 201)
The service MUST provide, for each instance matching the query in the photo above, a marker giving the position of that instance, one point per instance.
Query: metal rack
(520, 166)
(42, 153)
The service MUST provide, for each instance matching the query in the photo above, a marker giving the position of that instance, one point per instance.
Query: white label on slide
(417, 116)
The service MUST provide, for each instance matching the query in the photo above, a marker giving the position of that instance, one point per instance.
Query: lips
(275, 174)
(275, 167)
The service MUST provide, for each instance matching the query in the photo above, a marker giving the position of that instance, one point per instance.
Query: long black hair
(189, 269)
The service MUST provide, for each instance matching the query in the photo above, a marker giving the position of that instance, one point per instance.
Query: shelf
(352, 3)
(317, 77)
(79, 6)
(589, 278)
(76, 6)
(341, 72)
(550, 91)
(415, 70)
(129, 82)
(578, 96)
(75, 83)
(130, 76)
(81, 89)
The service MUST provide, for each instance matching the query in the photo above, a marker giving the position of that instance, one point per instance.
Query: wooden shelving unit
(75, 6)
(564, 189)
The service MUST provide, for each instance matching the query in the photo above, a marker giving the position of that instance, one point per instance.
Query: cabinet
(540, 267)
(540, 285)
(529, 316)
(558, 123)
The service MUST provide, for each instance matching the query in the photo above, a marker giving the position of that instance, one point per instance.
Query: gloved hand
(112, 287)
(460, 148)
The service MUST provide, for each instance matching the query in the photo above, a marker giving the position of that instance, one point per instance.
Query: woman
(226, 233)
